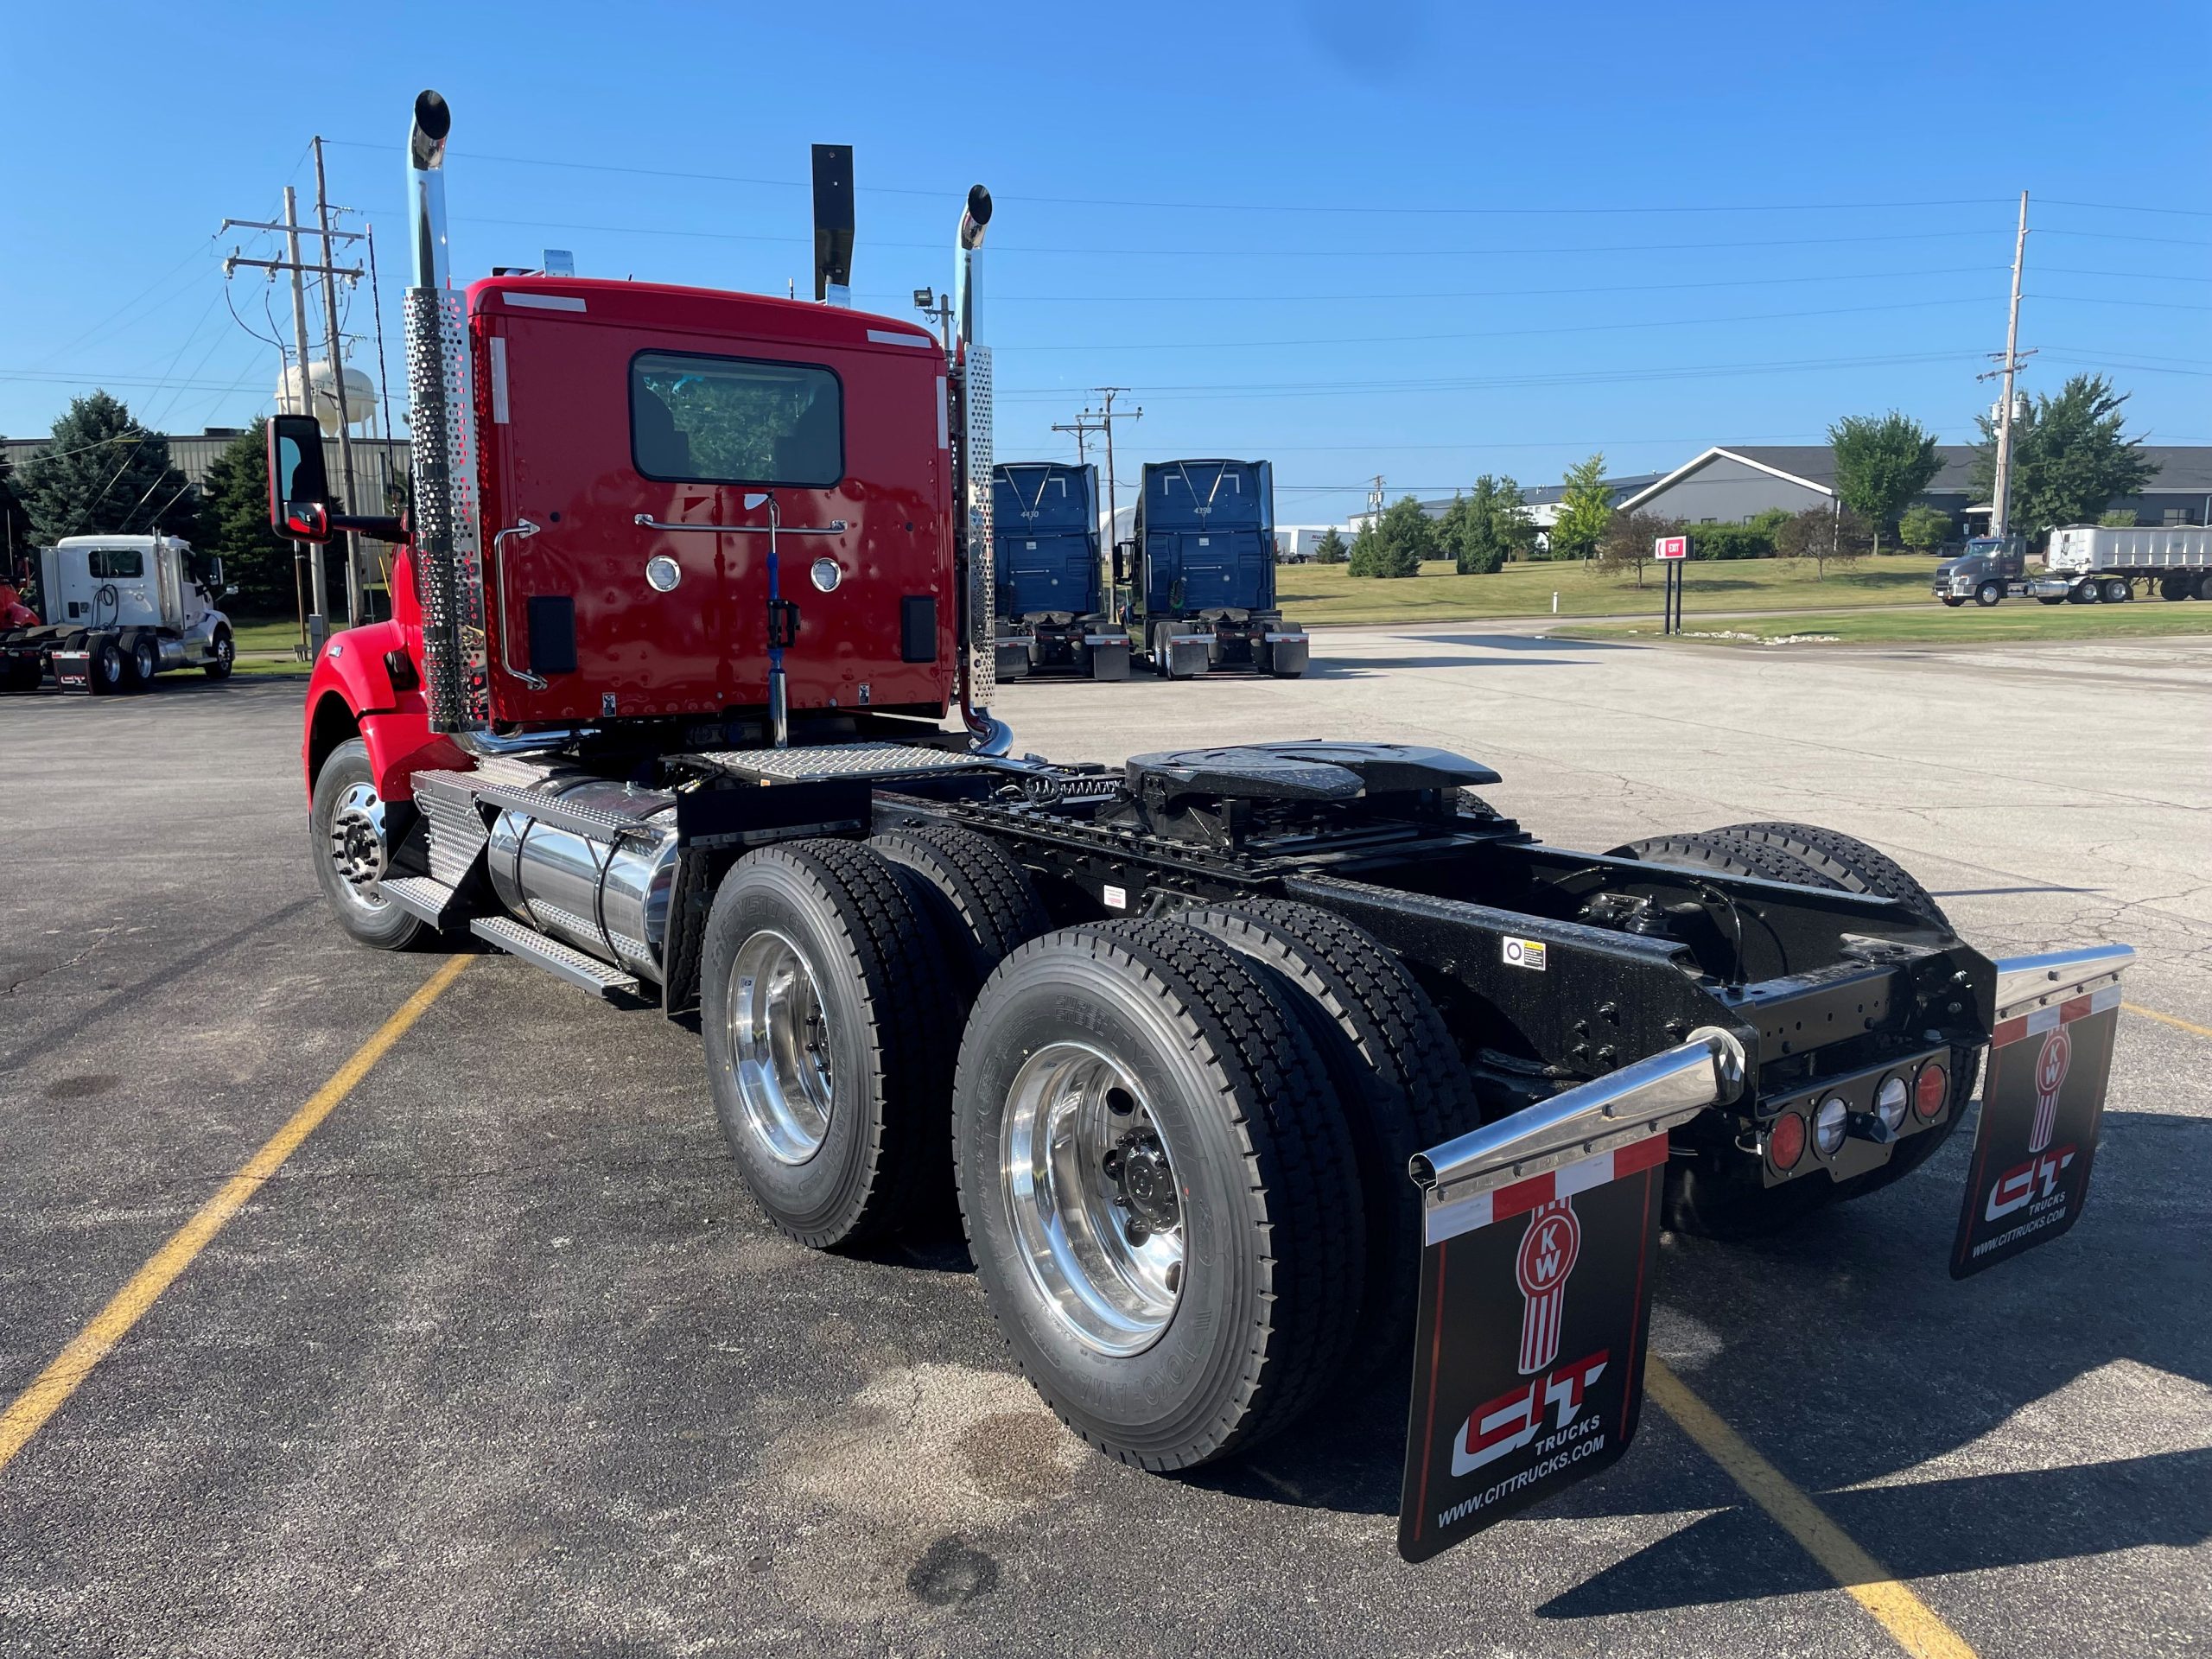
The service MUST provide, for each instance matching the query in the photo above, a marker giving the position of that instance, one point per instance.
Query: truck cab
(1202, 570)
(120, 609)
(1051, 601)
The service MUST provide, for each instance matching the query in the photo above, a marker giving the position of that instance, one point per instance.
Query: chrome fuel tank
(607, 894)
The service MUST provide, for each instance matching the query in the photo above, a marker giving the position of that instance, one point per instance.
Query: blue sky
(1423, 241)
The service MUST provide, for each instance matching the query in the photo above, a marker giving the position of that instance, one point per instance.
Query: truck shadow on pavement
(1907, 1405)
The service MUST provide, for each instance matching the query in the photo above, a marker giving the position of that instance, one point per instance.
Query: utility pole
(353, 618)
(1374, 500)
(316, 625)
(1106, 418)
(319, 614)
(2001, 514)
(1083, 426)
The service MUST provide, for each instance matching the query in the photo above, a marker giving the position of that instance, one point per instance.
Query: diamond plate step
(841, 760)
(585, 973)
(419, 896)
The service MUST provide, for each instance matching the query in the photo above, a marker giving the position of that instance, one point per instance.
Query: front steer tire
(347, 780)
(1266, 1288)
(882, 1040)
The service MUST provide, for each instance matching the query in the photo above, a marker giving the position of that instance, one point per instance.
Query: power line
(1428, 210)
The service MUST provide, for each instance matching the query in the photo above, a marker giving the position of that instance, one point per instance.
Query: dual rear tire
(1178, 1145)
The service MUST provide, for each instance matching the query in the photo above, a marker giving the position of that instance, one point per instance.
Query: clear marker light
(1890, 1103)
(1829, 1123)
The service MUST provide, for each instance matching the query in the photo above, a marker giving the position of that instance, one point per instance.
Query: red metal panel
(562, 460)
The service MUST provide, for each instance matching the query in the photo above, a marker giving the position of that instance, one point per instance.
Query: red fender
(350, 693)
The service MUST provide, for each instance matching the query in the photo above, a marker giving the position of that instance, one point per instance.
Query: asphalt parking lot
(502, 1361)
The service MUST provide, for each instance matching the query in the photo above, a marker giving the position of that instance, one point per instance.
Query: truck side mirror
(299, 487)
(1121, 567)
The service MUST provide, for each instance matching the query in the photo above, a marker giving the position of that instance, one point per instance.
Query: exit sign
(1671, 547)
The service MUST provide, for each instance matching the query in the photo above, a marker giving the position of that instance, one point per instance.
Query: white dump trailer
(2087, 564)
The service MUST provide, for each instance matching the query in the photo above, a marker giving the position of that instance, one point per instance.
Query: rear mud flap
(1540, 1236)
(2043, 1099)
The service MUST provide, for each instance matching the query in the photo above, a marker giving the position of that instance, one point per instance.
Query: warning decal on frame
(1524, 953)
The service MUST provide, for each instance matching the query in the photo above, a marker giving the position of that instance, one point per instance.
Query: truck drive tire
(111, 666)
(224, 657)
(1159, 1191)
(1393, 1068)
(2083, 593)
(1988, 594)
(145, 659)
(352, 830)
(2116, 590)
(984, 904)
(829, 1033)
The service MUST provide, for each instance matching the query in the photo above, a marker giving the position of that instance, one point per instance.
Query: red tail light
(1785, 1141)
(1931, 1089)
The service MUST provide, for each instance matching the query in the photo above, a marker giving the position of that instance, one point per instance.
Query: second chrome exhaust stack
(971, 368)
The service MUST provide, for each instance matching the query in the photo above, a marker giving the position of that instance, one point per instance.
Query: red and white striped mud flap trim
(1535, 1303)
(2042, 1104)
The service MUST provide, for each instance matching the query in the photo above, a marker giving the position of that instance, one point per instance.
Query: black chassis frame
(1827, 991)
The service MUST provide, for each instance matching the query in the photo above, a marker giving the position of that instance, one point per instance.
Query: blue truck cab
(1201, 569)
(1048, 579)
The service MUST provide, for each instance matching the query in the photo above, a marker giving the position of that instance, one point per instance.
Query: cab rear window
(730, 420)
(109, 563)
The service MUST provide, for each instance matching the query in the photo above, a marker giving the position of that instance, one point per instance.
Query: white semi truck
(2087, 564)
(120, 609)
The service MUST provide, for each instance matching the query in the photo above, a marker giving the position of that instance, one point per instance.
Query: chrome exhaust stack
(971, 370)
(446, 537)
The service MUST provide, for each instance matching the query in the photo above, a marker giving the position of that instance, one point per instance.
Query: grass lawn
(1323, 593)
(1934, 624)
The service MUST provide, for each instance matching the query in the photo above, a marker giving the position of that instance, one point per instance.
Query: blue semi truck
(1199, 569)
(1052, 606)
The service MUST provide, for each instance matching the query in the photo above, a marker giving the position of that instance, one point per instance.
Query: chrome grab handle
(835, 527)
(525, 529)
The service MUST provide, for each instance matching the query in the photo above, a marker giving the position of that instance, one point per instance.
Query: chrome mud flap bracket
(2043, 1099)
(1540, 1237)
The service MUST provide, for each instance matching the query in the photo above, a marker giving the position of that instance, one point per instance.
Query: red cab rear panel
(599, 402)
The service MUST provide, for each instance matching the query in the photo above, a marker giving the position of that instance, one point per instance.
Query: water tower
(360, 395)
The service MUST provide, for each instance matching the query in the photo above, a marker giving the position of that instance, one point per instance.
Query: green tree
(1882, 461)
(2119, 519)
(1481, 531)
(1394, 544)
(1331, 550)
(1627, 547)
(105, 475)
(15, 562)
(1923, 527)
(2069, 456)
(234, 522)
(1584, 511)
(1825, 535)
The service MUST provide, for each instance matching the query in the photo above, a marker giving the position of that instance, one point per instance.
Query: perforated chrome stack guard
(983, 664)
(448, 552)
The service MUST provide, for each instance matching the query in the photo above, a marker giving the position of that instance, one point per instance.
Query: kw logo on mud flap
(2026, 1183)
(2051, 1075)
(1547, 1257)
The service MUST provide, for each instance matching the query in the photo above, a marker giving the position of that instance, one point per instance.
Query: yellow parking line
(51, 1387)
(1903, 1615)
(2167, 1020)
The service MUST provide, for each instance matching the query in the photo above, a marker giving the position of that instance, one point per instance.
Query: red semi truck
(1252, 1068)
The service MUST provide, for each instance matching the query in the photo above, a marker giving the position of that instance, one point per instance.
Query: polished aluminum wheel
(1091, 1191)
(780, 1036)
(360, 851)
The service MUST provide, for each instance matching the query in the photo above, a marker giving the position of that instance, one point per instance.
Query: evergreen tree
(16, 564)
(234, 522)
(1481, 531)
(105, 475)
(2070, 457)
(1331, 550)
(1395, 544)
